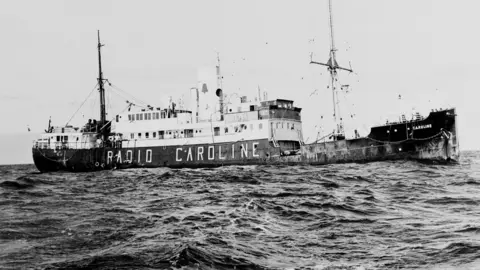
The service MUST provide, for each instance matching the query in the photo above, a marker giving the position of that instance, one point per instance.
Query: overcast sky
(425, 51)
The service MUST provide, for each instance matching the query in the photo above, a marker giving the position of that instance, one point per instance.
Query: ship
(259, 132)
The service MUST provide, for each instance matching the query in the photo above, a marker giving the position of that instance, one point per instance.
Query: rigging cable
(119, 94)
(82, 104)
(126, 93)
(128, 106)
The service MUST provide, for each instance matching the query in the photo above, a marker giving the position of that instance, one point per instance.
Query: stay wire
(82, 104)
(126, 93)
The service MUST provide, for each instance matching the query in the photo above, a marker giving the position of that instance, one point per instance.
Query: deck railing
(74, 145)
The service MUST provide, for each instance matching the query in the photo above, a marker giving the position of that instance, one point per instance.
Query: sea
(380, 215)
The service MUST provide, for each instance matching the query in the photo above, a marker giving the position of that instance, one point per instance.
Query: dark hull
(432, 139)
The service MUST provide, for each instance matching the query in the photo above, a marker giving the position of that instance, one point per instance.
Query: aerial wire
(82, 104)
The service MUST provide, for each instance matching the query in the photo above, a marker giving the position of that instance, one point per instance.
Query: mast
(101, 89)
(219, 74)
(219, 91)
(332, 68)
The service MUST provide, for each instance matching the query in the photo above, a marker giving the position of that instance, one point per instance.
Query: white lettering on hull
(189, 156)
(180, 154)
(129, 158)
(220, 153)
(176, 156)
(244, 149)
(119, 157)
(148, 157)
(109, 157)
(254, 150)
(422, 127)
(211, 152)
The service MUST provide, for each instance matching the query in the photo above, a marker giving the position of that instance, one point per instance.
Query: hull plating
(438, 149)
(432, 139)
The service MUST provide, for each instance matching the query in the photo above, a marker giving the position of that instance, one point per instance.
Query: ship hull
(433, 139)
(438, 149)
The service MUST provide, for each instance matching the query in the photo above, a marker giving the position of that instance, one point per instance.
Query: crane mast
(333, 66)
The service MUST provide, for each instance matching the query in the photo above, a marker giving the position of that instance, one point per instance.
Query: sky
(425, 51)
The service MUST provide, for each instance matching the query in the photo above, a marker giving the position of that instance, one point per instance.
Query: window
(157, 115)
(137, 116)
(141, 116)
(154, 134)
(226, 129)
(162, 114)
(293, 126)
(260, 126)
(216, 131)
(189, 133)
(129, 117)
(146, 135)
(282, 124)
(132, 136)
(139, 135)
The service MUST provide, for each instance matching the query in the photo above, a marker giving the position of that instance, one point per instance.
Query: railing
(75, 145)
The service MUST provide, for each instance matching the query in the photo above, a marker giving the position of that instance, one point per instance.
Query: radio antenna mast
(333, 66)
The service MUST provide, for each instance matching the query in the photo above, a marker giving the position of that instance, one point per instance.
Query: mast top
(332, 67)
(101, 89)
(219, 73)
(332, 61)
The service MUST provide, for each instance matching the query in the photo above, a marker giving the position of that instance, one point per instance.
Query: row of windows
(147, 116)
(188, 133)
(282, 125)
(285, 105)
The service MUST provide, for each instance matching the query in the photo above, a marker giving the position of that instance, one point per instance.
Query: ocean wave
(381, 215)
